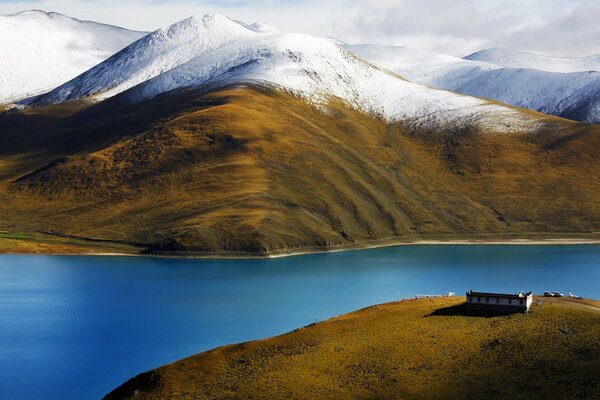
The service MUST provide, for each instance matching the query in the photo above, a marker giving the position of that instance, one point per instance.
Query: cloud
(458, 27)
(574, 33)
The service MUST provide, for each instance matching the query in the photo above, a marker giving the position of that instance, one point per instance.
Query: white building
(499, 301)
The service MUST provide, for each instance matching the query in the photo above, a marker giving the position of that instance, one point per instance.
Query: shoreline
(542, 241)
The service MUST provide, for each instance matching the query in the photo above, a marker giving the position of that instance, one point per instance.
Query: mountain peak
(213, 23)
(34, 12)
(261, 27)
(204, 20)
(217, 24)
(153, 55)
(38, 13)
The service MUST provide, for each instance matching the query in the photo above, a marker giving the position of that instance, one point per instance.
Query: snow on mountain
(41, 50)
(518, 59)
(583, 105)
(529, 88)
(151, 56)
(538, 90)
(213, 51)
(261, 27)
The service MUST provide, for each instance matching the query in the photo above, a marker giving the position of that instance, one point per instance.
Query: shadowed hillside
(256, 171)
(406, 350)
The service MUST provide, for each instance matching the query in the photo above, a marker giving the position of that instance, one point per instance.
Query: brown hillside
(250, 170)
(425, 349)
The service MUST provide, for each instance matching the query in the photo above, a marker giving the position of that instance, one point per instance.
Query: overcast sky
(457, 27)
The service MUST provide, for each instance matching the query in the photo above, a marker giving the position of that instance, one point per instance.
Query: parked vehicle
(553, 294)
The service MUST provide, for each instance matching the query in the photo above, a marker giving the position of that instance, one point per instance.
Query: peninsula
(413, 349)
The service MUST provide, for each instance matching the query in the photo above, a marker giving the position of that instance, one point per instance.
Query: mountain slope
(529, 88)
(41, 50)
(214, 51)
(579, 106)
(518, 59)
(253, 170)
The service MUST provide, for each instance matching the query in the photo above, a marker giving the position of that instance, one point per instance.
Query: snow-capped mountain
(214, 51)
(41, 50)
(518, 59)
(151, 56)
(539, 90)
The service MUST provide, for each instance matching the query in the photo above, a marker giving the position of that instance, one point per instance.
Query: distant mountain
(41, 50)
(538, 90)
(518, 59)
(215, 136)
(421, 66)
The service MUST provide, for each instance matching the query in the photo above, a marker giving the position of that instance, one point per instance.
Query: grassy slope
(424, 349)
(45, 243)
(247, 170)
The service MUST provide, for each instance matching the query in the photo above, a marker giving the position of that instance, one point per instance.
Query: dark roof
(483, 294)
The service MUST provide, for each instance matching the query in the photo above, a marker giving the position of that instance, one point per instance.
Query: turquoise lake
(76, 327)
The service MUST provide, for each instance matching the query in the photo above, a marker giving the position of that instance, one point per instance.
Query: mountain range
(565, 87)
(214, 136)
(568, 88)
(214, 51)
(41, 50)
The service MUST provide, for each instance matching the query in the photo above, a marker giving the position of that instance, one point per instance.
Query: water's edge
(516, 241)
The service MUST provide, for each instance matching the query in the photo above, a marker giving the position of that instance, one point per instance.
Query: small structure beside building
(499, 302)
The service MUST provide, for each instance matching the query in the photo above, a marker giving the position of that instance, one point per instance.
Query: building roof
(504, 295)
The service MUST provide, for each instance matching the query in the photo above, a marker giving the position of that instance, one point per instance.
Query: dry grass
(248, 170)
(41, 243)
(424, 349)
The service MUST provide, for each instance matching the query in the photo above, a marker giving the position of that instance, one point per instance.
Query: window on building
(479, 299)
(521, 302)
(509, 301)
(487, 299)
(497, 300)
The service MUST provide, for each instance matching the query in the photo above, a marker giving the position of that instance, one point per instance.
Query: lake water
(76, 327)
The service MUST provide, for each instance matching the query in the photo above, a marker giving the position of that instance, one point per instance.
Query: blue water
(76, 327)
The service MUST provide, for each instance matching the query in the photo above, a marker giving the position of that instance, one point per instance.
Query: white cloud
(458, 27)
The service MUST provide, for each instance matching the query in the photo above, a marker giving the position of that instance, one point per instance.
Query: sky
(456, 27)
